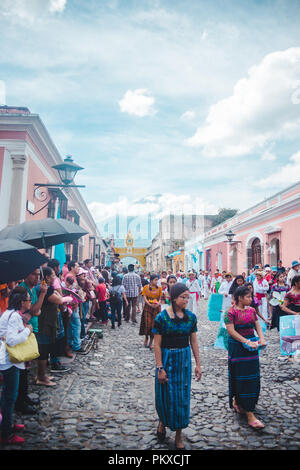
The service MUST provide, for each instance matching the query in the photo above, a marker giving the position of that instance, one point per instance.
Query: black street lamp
(67, 172)
(230, 236)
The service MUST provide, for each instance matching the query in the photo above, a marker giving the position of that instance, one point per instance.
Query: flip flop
(47, 384)
(49, 377)
(257, 424)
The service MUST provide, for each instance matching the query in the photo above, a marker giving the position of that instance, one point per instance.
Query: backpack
(115, 296)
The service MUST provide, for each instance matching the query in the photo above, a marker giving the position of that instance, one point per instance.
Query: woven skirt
(243, 375)
(172, 400)
(147, 320)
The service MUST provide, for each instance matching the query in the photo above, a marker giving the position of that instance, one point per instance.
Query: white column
(17, 188)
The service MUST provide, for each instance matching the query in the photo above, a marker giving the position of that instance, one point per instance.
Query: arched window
(275, 252)
(256, 252)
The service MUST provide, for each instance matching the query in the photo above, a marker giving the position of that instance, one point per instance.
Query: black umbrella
(18, 259)
(44, 233)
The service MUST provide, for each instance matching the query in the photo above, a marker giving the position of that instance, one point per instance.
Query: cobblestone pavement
(106, 401)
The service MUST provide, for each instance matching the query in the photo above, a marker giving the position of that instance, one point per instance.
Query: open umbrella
(18, 259)
(44, 233)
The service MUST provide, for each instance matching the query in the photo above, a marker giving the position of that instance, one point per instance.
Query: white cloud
(268, 155)
(188, 116)
(137, 103)
(260, 109)
(157, 205)
(57, 6)
(285, 176)
(27, 12)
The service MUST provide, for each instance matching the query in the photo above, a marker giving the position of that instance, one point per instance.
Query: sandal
(46, 383)
(256, 424)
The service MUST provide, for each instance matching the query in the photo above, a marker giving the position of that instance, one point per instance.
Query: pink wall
(35, 175)
(288, 236)
(1, 162)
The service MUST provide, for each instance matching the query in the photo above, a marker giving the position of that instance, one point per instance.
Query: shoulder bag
(23, 352)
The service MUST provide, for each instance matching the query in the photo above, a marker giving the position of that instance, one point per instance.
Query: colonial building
(263, 234)
(167, 248)
(130, 251)
(27, 155)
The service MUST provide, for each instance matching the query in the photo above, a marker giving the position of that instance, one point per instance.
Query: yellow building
(131, 251)
(176, 260)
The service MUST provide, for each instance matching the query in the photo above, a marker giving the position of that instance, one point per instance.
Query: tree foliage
(222, 215)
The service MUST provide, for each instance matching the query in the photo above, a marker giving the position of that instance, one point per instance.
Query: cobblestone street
(106, 401)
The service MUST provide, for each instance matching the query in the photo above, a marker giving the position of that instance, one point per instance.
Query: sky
(169, 105)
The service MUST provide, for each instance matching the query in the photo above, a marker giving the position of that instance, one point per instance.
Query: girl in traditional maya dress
(291, 304)
(282, 288)
(243, 358)
(171, 280)
(174, 331)
(152, 295)
(164, 288)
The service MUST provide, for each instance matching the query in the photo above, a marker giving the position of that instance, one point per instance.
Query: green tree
(222, 215)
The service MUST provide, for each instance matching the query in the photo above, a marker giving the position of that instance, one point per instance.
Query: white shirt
(260, 288)
(224, 287)
(13, 329)
(193, 285)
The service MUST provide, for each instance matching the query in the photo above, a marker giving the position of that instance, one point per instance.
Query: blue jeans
(74, 331)
(85, 309)
(116, 308)
(10, 389)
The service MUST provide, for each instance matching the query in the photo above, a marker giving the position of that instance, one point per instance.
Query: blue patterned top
(164, 325)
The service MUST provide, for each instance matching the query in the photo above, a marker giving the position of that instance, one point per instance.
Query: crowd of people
(56, 303)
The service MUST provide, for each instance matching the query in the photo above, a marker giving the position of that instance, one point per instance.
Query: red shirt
(101, 292)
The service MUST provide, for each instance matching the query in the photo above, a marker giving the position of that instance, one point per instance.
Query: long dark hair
(241, 292)
(175, 292)
(235, 285)
(47, 271)
(16, 297)
(170, 277)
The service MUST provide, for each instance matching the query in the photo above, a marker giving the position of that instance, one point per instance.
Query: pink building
(27, 154)
(265, 233)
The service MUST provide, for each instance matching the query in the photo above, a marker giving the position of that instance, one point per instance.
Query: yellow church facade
(129, 250)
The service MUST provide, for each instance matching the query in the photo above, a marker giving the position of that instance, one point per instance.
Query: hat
(260, 272)
(256, 266)
(274, 268)
(228, 274)
(81, 271)
(268, 268)
(295, 263)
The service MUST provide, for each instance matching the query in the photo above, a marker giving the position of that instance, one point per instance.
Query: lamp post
(230, 235)
(67, 172)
